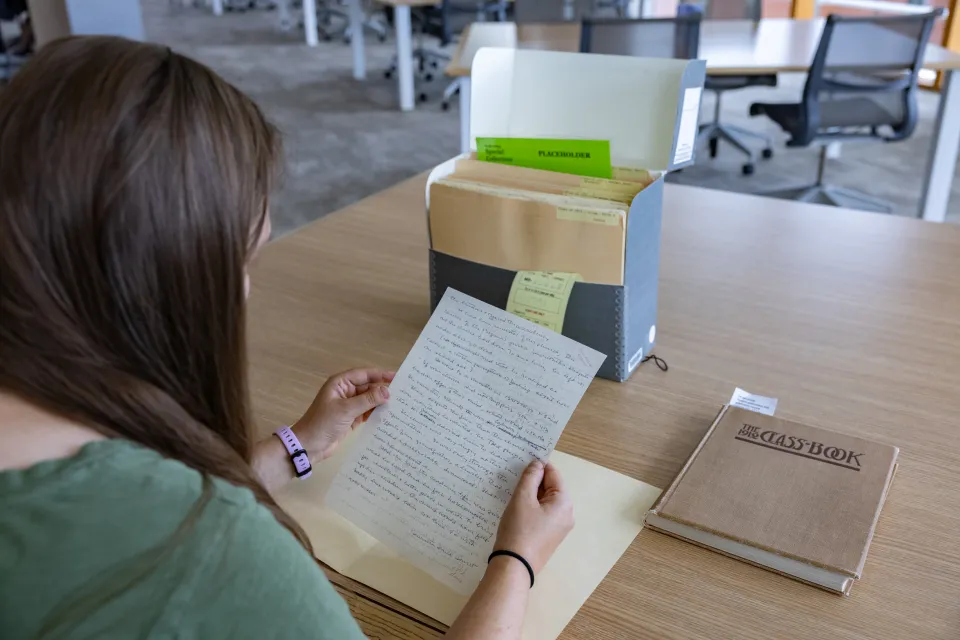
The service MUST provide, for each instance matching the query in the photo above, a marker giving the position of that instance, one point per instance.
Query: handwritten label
(599, 195)
(632, 174)
(752, 402)
(619, 187)
(542, 297)
(617, 190)
(577, 157)
(481, 394)
(609, 217)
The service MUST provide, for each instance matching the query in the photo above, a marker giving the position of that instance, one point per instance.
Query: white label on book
(689, 121)
(752, 402)
(481, 395)
(635, 360)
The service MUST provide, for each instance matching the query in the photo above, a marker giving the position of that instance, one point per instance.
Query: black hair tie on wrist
(504, 552)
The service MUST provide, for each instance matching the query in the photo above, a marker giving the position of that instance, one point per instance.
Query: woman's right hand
(539, 516)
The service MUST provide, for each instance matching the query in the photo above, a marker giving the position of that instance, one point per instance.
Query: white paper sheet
(689, 122)
(481, 394)
(753, 402)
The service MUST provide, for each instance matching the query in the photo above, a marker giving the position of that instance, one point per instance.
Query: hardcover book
(785, 496)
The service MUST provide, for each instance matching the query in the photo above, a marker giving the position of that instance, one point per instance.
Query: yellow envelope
(609, 509)
(524, 230)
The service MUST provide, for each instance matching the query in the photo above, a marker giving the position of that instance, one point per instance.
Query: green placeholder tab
(577, 157)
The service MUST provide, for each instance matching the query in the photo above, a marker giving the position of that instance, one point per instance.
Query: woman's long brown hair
(133, 185)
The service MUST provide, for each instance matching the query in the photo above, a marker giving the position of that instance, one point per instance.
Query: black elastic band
(504, 552)
(660, 362)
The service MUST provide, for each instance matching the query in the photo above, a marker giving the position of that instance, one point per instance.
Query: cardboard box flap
(647, 108)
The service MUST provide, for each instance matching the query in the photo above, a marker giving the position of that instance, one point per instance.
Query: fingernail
(537, 465)
(383, 393)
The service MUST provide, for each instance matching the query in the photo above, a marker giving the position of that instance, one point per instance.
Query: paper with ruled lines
(481, 394)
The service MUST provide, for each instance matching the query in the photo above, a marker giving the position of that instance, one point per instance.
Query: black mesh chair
(713, 132)
(536, 11)
(653, 38)
(449, 20)
(862, 85)
(444, 22)
(611, 8)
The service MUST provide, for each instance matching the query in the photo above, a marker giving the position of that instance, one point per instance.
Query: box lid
(486, 34)
(647, 108)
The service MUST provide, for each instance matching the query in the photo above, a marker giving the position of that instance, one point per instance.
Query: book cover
(798, 492)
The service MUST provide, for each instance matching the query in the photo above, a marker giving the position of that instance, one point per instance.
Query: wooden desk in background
(851, 319)
(744, 47)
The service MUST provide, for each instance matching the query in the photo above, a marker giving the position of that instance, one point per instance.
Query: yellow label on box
(542, 297)
(596, 216)
(629, 173)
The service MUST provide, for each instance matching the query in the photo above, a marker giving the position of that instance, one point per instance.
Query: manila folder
(609, 508)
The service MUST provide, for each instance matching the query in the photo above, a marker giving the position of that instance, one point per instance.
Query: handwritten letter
(481, 394)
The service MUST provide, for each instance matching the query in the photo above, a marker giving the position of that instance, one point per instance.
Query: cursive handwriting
(481, 394)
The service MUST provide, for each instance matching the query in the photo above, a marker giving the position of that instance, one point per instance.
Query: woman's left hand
(344, 402)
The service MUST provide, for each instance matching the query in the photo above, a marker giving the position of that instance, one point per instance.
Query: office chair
(455, 16)
(654, 37)
(10, 62)
(332, 18)
(6, 66)
(713, 132)
(611, 8)
(373, 22)
(445, 22)
(536, 11)
(862, 85)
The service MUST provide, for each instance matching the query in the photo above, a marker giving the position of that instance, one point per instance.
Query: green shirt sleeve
(96, 546)
(259, 582)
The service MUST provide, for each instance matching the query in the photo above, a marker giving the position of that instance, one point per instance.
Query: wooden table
(744, 47)
(852, 319)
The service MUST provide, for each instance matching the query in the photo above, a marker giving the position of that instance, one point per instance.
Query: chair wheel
(326, 37)
(387, 74)
(428, 77)
(347, 39)
(422, 97)
(434, 64)
(382, 37)
(712, 145)
(747, 169)
(445, 105)
(767, 154)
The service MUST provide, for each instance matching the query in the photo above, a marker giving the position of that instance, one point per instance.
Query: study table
(851, 319)
(743, 47)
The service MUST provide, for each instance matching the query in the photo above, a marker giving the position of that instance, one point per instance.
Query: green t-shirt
(76, 535)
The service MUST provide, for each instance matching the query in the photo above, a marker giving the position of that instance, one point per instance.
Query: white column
(217, 7)
(464, 114)
(401, 19)
(310, 22)
(356, 39)
(943, 153)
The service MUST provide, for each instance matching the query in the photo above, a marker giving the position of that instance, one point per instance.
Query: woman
(133, 503)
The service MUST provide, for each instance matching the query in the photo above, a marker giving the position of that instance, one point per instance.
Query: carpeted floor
(346, 139)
